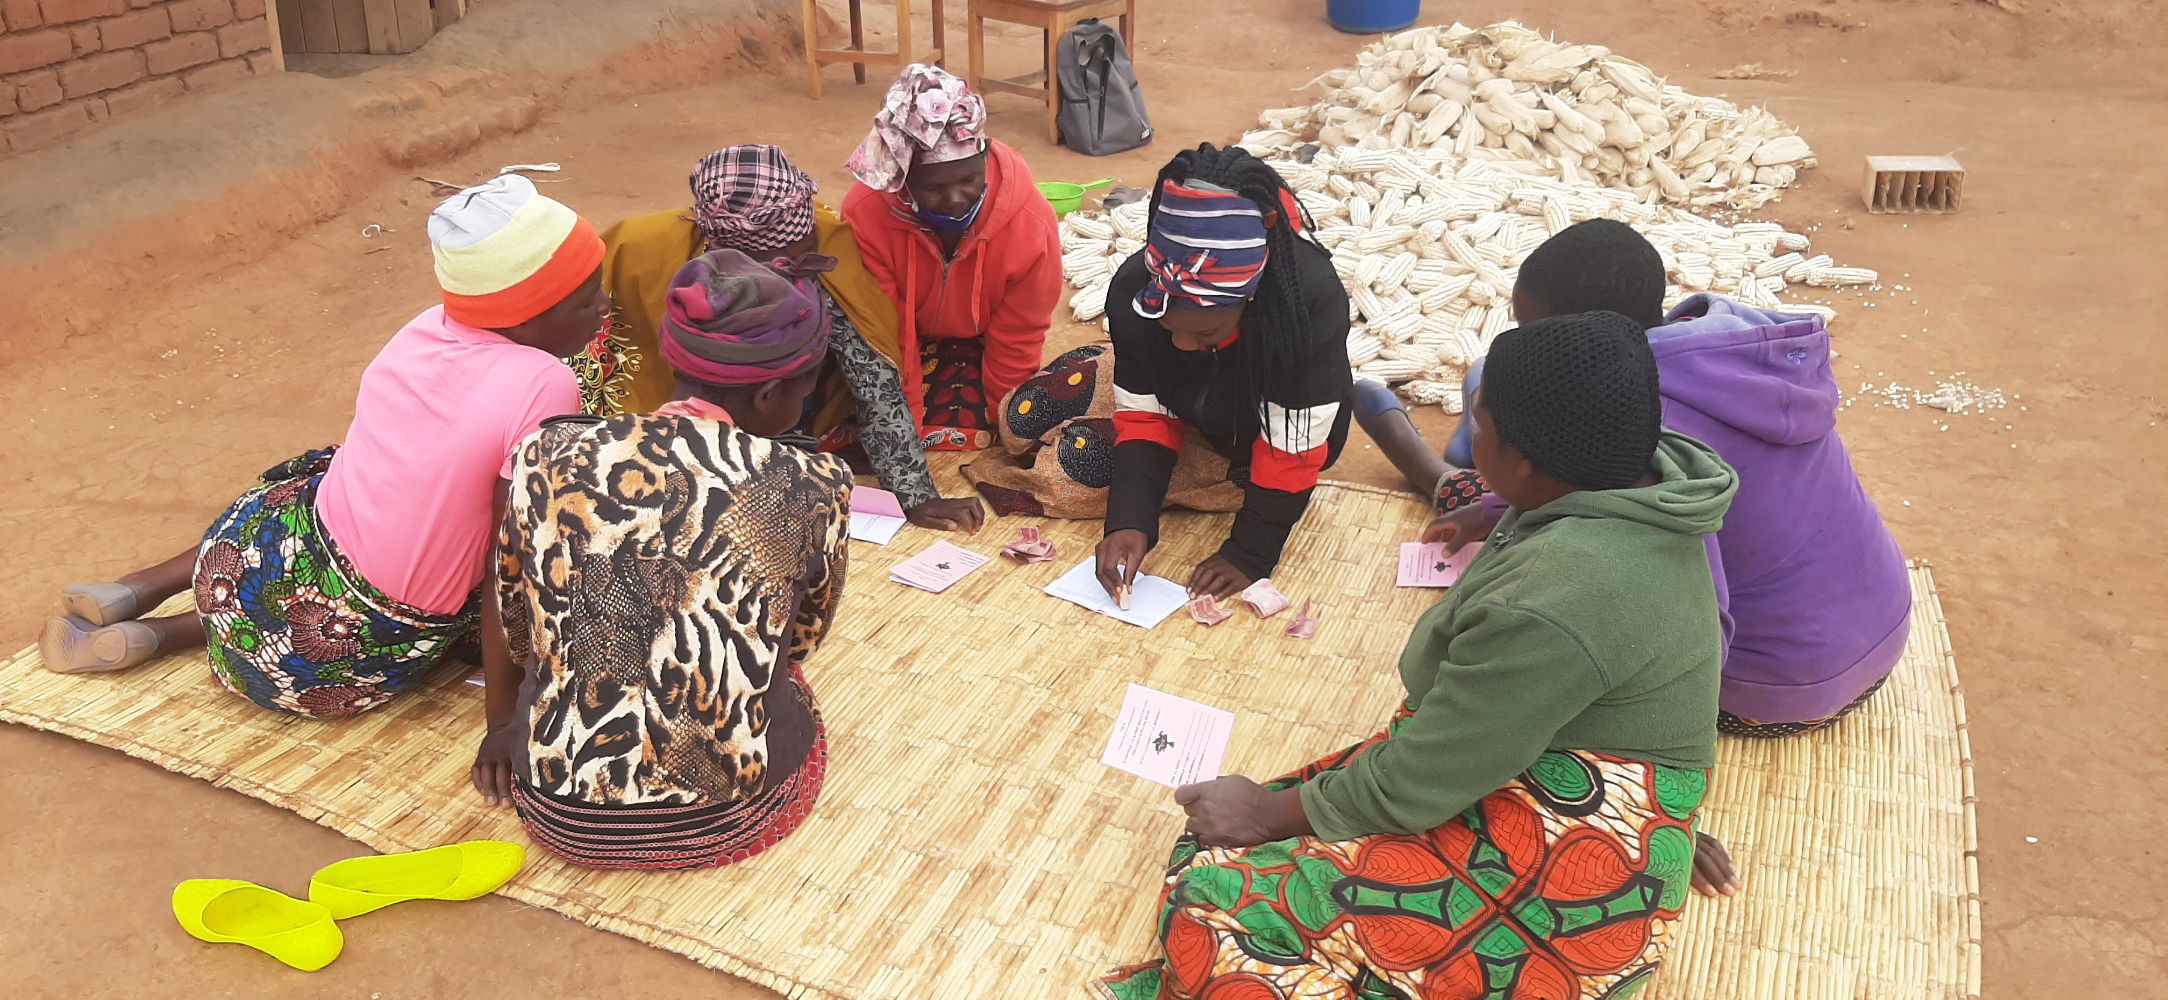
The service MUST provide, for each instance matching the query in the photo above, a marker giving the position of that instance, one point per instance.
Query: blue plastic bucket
(1369, 17)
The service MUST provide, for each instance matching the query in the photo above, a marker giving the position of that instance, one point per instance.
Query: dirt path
(130, 438)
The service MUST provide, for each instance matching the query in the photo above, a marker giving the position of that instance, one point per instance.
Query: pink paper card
(874, 500)
(1170, 740)
(935, 569)
(1426, 564)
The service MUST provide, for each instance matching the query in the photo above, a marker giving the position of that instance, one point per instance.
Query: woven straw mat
(969, 842)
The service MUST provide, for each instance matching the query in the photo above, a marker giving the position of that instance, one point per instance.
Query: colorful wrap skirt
(957, 410)
(287, 621)
(1562, 885)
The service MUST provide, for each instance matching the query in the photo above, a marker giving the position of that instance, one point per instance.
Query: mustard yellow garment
(642, 253)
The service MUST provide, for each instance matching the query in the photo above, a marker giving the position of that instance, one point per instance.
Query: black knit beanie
(1597, 264)
(1577, 396)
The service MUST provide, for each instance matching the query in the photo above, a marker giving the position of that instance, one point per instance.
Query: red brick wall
(67, 64)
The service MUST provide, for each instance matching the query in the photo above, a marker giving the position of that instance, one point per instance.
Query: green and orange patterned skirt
(1563, 885)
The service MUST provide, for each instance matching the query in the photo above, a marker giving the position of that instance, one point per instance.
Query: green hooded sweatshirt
(1589, 623)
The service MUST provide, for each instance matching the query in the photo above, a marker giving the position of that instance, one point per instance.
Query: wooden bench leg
(1053, 84)
(940, 34)
(858, 40)
(905, 55)
(810, 17)
(975, 35)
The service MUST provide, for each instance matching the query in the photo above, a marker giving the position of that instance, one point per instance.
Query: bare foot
(73, 646)
(101, 603)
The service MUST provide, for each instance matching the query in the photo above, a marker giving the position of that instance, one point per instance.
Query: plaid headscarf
(729, 320)
(750, 198)
(929, 116)
(1206, 249)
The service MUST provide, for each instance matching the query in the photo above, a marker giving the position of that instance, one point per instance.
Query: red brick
(86, 39)
(105, 71)
(31, 50)
(148, 94)
(69, 11)
(199, 15)
(130, 30)
(140, 4)
(245, 9)
(34, 91)
(95, 108)
(244, 38)
(217, 75)
(21, 14)
(25, 131)
(264, 62)
(7, 100)
(181, 52)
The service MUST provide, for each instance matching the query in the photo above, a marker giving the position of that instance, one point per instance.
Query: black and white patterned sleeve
(885, 424)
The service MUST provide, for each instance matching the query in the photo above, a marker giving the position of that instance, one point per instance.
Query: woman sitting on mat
(1231, 323)
(750, 198)
(1818, 598)
(348, 572)
(955, 231)
(1523, 825)
(671, 572)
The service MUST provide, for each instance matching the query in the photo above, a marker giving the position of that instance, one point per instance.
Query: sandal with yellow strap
(356, 886)
(228, 911)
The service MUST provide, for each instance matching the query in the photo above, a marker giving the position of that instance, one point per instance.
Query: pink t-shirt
(439, 413)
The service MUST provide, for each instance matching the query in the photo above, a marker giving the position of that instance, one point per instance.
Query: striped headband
(505, 253)
(1206, 250)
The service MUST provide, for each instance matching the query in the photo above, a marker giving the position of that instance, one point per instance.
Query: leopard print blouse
(668, 574)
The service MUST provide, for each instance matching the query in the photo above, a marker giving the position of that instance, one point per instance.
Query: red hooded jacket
(1001, 287)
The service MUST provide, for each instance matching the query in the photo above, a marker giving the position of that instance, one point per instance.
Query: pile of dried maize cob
(1429, 240)
(1504, 93)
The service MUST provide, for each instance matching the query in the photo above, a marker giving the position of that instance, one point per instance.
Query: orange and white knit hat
(505, 253)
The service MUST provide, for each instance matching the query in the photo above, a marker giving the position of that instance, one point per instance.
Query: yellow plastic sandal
(227, 911)
(356, 886)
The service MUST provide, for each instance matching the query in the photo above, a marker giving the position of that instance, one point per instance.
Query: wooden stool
(1052, 18)
(856, 54)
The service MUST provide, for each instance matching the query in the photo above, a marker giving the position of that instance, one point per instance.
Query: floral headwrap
(929, 116)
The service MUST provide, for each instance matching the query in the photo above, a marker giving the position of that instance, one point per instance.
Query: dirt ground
(132, 434)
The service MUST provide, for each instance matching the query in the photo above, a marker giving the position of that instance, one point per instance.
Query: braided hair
(1275, 341)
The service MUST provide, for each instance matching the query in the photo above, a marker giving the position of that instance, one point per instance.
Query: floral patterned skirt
(290, 625)
(1563, 885)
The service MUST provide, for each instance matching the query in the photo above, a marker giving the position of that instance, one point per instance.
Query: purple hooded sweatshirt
(1818, 594)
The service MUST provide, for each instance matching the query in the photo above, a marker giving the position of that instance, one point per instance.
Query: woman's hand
(956, 514)
(1234, 811)
(494, 763)
(1219, 578)
(1460, 526)
(1120, 557)
(1712, 868)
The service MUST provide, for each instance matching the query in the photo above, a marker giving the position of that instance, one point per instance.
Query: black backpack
(1102, 109)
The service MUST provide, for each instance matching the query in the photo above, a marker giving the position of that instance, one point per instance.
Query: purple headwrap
(750, 198)
(929, 116)
(728, 320)
(1206, 249)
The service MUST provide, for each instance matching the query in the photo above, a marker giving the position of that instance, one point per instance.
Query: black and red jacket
(1161, 389)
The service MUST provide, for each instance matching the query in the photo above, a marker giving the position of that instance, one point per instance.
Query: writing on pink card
(1170, 740)
(935, 569)
(1427, 564)
(874, 500)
